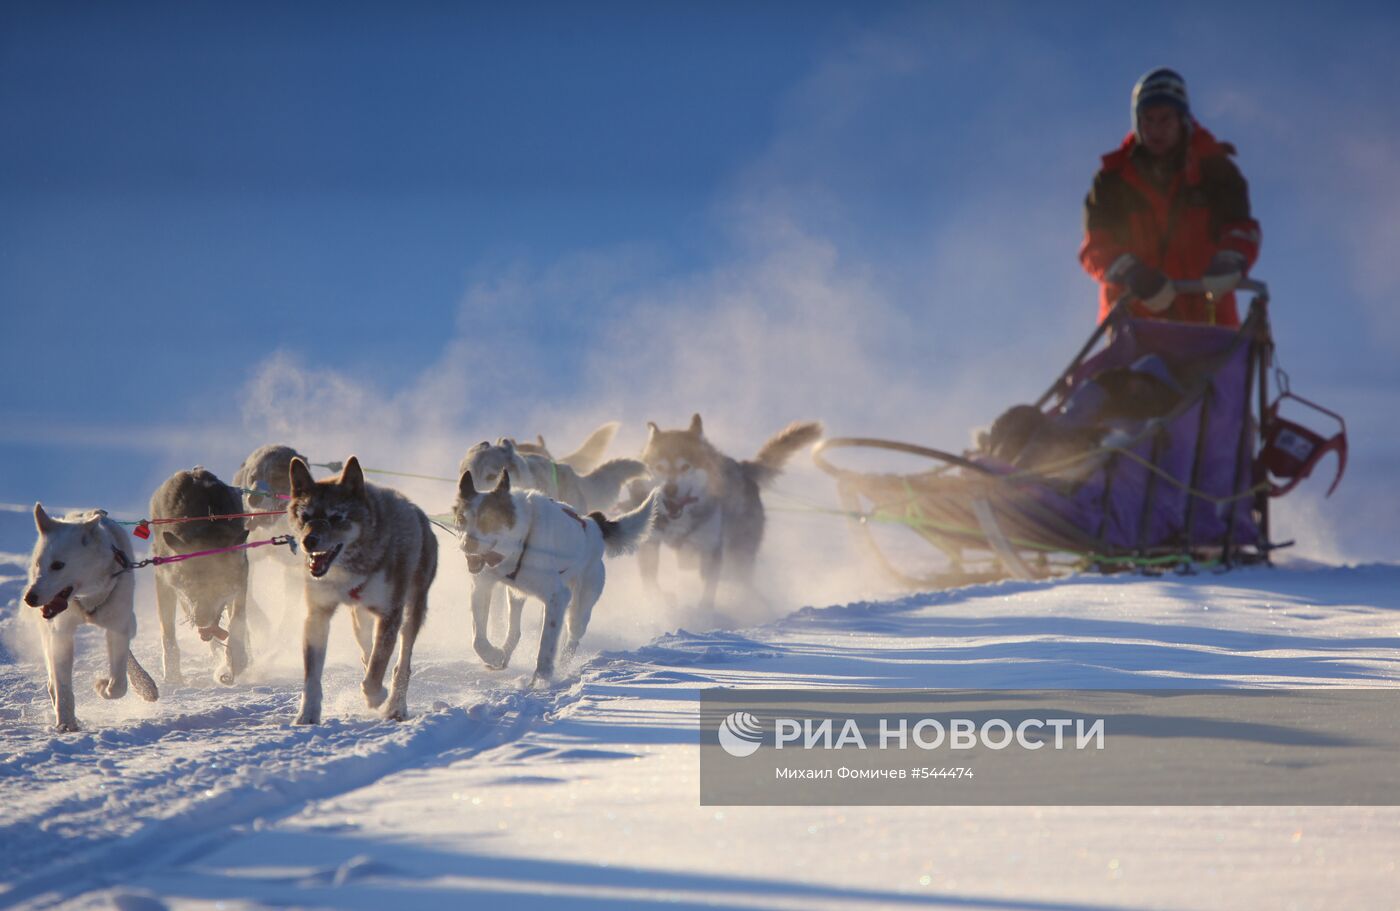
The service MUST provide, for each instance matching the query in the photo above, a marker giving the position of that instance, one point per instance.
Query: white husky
(532, 467)
(82, 561)
(539, 547)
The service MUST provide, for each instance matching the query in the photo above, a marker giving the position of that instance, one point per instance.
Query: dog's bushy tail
(769, 462)
(602, 486)
(585, 458)
(141, 682)
(623, 534)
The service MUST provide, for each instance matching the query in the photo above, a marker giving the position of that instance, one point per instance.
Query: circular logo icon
(740, 734)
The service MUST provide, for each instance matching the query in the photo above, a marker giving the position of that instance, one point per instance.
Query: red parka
(1176, 226)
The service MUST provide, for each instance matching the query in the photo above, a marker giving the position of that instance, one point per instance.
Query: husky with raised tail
(539, 547)
(711, 511)
(532, 467)
(597, 489)
(202, 588)
(80, 573)
(582, 460)
(367, 547)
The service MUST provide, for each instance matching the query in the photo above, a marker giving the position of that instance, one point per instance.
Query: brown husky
(710, 506)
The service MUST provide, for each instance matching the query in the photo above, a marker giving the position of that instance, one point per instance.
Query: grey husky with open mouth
(372, 549)
(711, 511)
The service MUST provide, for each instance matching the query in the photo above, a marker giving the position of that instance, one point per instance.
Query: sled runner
(1160, 449)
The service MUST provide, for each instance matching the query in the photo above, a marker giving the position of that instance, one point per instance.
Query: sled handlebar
(1182, 286)
(1197, 286)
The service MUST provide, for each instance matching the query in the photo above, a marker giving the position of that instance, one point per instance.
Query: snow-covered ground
(587, 795)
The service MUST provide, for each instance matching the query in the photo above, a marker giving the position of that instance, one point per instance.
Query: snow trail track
(585, 794)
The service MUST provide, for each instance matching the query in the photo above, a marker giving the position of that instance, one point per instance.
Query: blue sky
(401, 229)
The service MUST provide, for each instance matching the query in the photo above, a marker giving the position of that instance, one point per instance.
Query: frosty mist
(814, 307)
(896, 259)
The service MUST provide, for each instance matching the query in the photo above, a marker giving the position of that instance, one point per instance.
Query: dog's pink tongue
(58, 605)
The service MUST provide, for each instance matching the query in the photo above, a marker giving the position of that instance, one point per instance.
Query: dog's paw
(492, 657)
(308, 715)
(69, 726)
(173, 680)
(394, 710)
(374, 698)
(110, 689)
(225, 676)
(542, 680)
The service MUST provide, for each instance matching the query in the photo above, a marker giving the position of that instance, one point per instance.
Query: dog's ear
(696, 429)
(352, 477)
(466, 487)
(503, 485)
(539, 441)
(171, 541)
(42, 520)
(90, 528)
(484, 444)
(299, 476)
(652, 430)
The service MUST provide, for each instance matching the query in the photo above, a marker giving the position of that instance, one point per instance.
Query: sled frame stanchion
(1202, 427)
(1265, 357)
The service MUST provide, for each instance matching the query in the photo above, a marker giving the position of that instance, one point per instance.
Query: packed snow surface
(586, 794)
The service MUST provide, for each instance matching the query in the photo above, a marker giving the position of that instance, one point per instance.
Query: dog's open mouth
(477, 562)
(319, 562)
(676, 505)
(58, 605)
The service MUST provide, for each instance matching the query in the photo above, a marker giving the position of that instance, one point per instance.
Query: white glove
(1224, 273)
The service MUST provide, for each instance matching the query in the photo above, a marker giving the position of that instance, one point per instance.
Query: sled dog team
(525, 521)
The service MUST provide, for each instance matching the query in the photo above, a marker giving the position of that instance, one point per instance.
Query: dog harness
(525, 545)
(583, 523)
(214, 630)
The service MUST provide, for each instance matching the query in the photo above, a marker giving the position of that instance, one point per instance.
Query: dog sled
(1188, 485)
